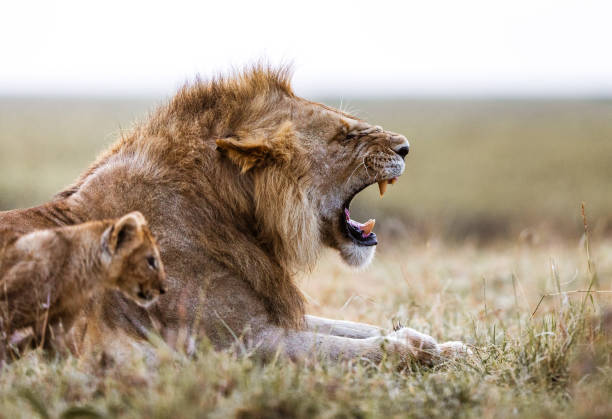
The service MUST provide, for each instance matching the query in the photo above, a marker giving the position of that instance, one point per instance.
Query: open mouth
(361, 233)
(145, 299)
(145, 296)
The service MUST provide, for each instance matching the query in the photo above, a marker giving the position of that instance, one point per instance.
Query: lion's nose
(403, 151)
(403, 148)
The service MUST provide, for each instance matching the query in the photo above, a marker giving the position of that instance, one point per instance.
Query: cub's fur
(48, 276)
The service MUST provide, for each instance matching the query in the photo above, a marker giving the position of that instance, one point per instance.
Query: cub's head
(134, 263)
(308, 161)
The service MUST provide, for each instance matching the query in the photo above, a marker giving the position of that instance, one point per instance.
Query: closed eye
(350, 135)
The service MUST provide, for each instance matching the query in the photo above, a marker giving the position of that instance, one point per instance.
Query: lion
(48, 276)
(243, 183)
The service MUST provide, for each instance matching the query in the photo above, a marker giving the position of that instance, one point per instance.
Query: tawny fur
(47, 277)
(243, 184)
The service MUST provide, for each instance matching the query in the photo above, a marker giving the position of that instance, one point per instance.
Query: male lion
(243, 183)
(47, 277)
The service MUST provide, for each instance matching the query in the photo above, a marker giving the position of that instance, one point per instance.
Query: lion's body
(48, 276)
(242, 183)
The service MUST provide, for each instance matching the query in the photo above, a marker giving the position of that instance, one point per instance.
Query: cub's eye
(351, 135)
(152, 262)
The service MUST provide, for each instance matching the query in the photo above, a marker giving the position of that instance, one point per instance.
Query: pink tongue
(366, 229)
(356, 224)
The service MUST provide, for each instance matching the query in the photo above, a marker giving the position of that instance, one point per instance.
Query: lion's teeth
(392, 181)
(367, 228)
(382, 187)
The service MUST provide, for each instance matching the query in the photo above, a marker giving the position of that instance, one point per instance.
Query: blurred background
(508, 106)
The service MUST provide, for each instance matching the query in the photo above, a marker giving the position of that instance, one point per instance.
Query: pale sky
(340, 48)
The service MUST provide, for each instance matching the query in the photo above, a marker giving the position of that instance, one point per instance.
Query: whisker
(354, 170)
(366, 169)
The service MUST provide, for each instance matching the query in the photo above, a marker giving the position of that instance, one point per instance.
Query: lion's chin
(357, 256)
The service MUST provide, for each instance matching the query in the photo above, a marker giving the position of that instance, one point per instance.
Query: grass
(477, 168)
(554, 363)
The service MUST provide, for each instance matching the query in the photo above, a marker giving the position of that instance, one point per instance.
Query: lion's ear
(251, 152)
(247, 153)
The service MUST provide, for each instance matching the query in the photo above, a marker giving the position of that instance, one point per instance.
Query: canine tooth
(368, 227)
(392, 181)
(382, 187)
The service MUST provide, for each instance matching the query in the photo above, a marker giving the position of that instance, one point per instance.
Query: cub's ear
(126, 234)
(250, 152)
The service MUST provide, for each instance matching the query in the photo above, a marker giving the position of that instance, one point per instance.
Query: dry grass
(556, 363)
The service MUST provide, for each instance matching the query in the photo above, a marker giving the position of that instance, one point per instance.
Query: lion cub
(48, 276)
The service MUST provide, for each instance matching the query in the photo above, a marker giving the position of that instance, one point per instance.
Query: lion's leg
(233, 314)
(343, 328)
(303, 344)
(363, 331)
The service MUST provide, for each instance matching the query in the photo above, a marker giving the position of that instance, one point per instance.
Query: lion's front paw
(421, 347)
(454, 350)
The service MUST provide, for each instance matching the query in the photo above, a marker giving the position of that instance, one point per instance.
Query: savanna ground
(485, 221)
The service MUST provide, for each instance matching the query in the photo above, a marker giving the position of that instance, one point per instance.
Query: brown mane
(223, 100)
(205, 111)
